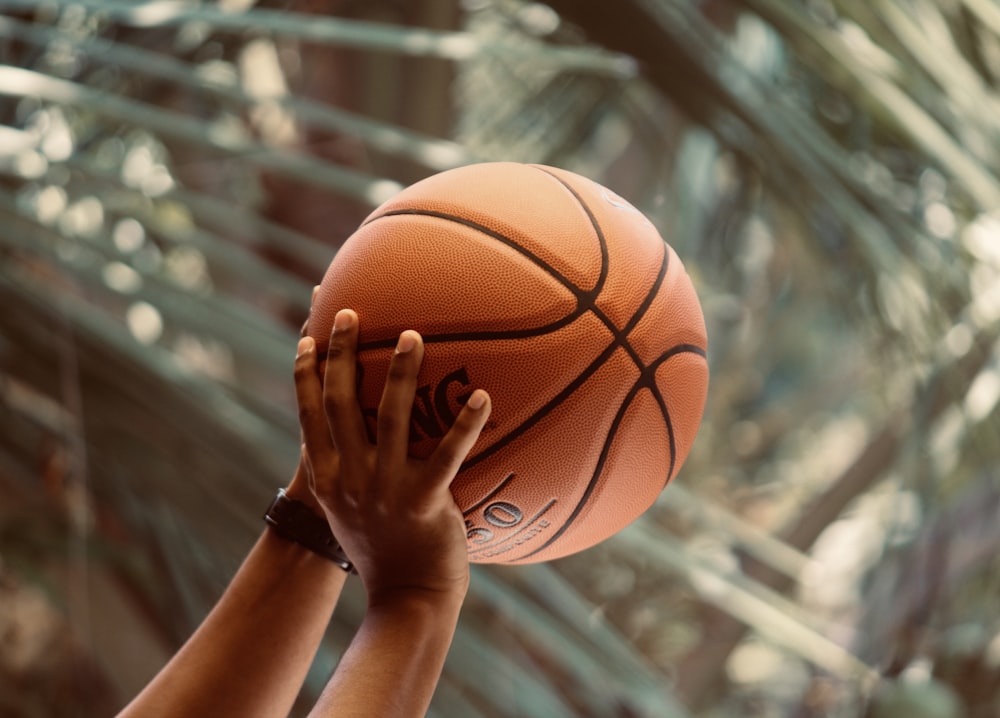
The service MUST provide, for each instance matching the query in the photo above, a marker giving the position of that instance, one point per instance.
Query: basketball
(563, 302)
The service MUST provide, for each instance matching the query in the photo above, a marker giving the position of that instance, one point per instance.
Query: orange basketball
(563, 302)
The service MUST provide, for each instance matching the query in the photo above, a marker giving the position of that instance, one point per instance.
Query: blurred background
(176, 176)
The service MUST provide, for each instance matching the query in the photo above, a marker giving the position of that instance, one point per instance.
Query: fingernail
(305, 345)
(477, 399)
(315, 292)
(406, 342)
(343, 320)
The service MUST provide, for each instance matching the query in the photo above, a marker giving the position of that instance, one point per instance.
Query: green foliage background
(175, 177)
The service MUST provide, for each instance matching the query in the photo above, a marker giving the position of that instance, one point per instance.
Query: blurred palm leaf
(176, 176)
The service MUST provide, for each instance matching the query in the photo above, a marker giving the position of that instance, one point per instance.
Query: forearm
(251, 654)
(394, 662)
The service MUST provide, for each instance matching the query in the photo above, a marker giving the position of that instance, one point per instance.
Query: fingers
(333, 427)
(457, 443)
(304, 469)
(393, 428)
(319, 448)
(339, 388)
(305, 325)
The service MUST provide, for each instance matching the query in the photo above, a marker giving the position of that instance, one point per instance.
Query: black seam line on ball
(598, 470)
(601, 238)
(584, 298)
(471, 336)
(499, 487)
(544, 410)
(483, 336)
(621, 335)
(645, 381)
(529, 524)
(649, 377)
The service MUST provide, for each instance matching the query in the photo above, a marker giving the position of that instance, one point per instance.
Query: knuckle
(302, 368)
(447, 457)
(335, 351)
(400, 369)
(332, 401)
(389, 423)
(339, 347)
(336, 398)
(383, 475)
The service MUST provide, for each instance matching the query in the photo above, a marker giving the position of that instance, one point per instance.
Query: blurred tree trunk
(413, 93)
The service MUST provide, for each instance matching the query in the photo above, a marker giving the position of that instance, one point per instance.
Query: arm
(250, 655)
(397, 520)
(394, 662)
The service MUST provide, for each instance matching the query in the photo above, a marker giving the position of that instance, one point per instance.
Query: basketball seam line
(602, 241)
(581, 294)
(643, 382)
(621, 339)
(478, 336)
(584, 298)
(621, 335)
(544, 410)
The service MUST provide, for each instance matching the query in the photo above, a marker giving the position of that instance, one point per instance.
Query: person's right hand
(394, 515)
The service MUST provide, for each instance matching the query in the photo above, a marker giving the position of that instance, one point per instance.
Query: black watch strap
(294, 521)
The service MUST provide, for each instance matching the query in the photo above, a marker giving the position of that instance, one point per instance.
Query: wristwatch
(294, 521)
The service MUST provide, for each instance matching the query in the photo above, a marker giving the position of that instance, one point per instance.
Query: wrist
(415, 615)
(441, 602)
(296, 522)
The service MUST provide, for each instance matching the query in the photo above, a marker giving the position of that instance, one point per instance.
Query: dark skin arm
(397, 520)
(252, 652)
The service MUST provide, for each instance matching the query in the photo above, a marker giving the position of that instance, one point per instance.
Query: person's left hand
(300, 487)
(394, 515)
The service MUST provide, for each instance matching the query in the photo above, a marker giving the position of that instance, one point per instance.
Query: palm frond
(827, 171)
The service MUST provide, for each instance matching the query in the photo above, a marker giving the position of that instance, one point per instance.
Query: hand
(299, 488)
(394, 515)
